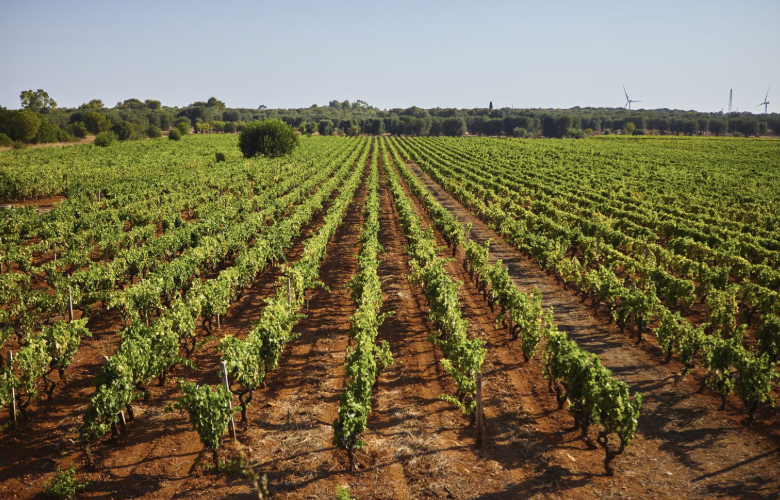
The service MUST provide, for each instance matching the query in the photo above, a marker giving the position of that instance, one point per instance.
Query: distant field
(616, 300)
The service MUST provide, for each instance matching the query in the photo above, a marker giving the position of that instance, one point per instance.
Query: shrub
(174, 134)
(97, 122)
(575, 133)
(105, 139)
(639, 131)
(737, 133)
(270, 138)
(18, 145)
(64, 136)
(65, 484)
(607, 131)
(325, 127)
(153, 132)
(24, 125)
(220, 157)
(519, 132)
(46, 132)
(79, 129)
(353, 131)
(5, 141)
(125, 131)
(229, 127)
(183, 127)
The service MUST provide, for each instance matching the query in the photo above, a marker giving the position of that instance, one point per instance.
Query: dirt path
(685, 446)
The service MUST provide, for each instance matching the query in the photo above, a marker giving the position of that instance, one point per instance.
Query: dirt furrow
(687, 447)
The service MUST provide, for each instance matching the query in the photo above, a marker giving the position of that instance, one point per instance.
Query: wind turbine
(766, 100)
(628, 99)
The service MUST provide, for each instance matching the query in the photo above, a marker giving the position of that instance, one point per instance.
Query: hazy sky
(670, 54)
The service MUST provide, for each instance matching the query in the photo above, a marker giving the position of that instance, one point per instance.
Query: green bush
(46, 132)
(270, 138)
(153, 132)
(325, 127)
(78, 129)
(519, 132)
(97, 123)
(5, 141)
(125, 131)
(65, 484)
(220, 157)
(105, 139)
(24, 125)
(353, 131)
(19, 145)
(174, 134)
(639, 131)
(64, 136)
(183, 128)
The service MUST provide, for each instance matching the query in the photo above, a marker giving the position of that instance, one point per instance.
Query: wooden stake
(289, 295)
(219, 325)
(70, 302)
(480, 420)
(10, 363)
(232, 424)
(511, 330)
(122, 421)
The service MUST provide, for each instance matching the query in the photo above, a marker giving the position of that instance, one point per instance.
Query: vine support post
(70, 303)
(10, 364)
(511, 326)
(480, 419)
(232, 423)
(289, 294)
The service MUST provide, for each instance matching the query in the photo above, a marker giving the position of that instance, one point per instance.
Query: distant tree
(215, 103)
(25, 125)
(353, 131)
(174, 134)
(105, 139)
(335, 105)
(153, 132)
(93, 104)
(690, 126)
(229, 127)
(453, 127)
(519, 132)
(375, 126)
(38, 101)
(718, 127)
(131, 103)
(262, 106)
(491, 106)
(325, 127)
(629, 128)
(183, 127)
(704, 125)
(153, 104)
(270, 138)
(96, 122)
(125, 131)
(231, 115)
(78, 129)
(47, 133)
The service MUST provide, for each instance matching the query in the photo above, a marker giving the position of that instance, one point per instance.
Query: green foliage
(19, 145)
(153, 132)
(519, 132)
(174, 134)
(5, 141)
(271, 138)
(78, 129)
(768, 336)
(97, 123)
(38, 101)
(105, 139)
(47, 133)
(629, 128)
(342, 493)
(65, 484)
(219, 157)
(183, 127)
(325, 127)
(209, 411)
(24, 125)
(353, 131)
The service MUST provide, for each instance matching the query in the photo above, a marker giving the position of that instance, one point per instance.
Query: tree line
(40, 120)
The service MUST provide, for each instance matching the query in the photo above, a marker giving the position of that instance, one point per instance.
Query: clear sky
(680, 54)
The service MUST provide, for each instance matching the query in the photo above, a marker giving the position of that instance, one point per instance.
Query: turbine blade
(624, 91)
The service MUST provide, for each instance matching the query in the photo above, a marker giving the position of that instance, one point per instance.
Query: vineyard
(404, 317)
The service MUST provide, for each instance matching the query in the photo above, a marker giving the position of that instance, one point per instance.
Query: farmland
(603, 314)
